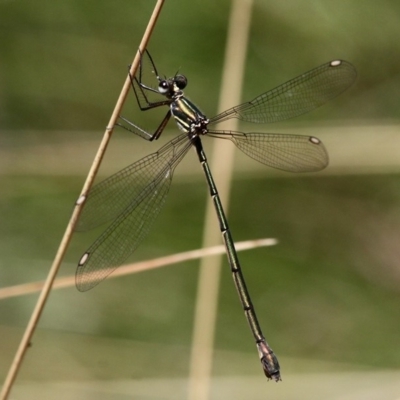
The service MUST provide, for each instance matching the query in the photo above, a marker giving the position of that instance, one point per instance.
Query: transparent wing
(293, 153)
(110, 197)
(132, 198)
(297, 96)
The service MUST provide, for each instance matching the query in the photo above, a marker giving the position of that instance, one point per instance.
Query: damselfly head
(172, 86)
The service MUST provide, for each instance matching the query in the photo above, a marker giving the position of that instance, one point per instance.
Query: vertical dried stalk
(207, 292)
(16, 364)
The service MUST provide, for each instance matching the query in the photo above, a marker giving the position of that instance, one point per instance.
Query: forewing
(133, 222)
(297, 96)
(293, 153)
(109, 198)
(121, 238)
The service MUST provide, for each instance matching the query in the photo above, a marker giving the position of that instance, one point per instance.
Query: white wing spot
(314, 140)
(336, 63)
(83, 259)
(81, 200)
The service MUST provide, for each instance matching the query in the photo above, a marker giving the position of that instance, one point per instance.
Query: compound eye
(180, 81)
(163, 87)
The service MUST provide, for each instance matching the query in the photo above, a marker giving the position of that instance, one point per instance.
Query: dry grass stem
(15, 366)
(142, 266)
(208, 286)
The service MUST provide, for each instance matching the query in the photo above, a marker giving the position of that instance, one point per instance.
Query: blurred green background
(327, 296)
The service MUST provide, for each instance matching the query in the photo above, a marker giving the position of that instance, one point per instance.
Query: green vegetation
(328, 292)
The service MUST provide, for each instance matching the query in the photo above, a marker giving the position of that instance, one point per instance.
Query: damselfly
(131, 199)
